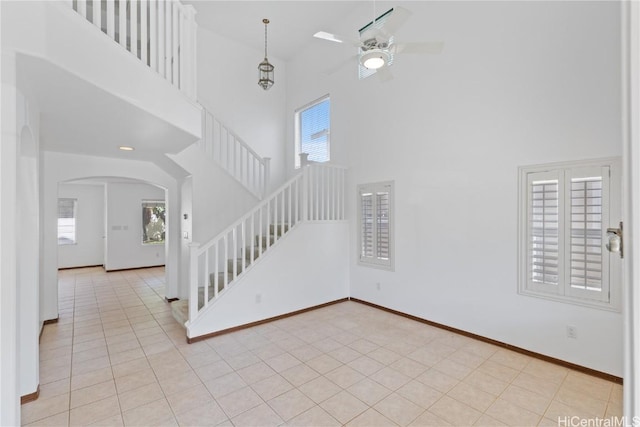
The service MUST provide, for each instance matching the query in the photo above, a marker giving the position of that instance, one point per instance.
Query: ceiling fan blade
(398, 17)
(323, 35)
(384, 74)
(418, 47)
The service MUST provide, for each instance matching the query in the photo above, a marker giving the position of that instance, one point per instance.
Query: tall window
(153, 222)
(312, 129)
(565, 212)
(375, 231)
(67, 210)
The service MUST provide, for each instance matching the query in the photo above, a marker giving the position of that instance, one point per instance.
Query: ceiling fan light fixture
(374, 59)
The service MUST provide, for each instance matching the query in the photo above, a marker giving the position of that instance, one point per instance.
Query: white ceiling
(292, 25)
(69, 123)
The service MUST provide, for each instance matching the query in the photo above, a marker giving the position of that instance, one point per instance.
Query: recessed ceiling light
(126, 148)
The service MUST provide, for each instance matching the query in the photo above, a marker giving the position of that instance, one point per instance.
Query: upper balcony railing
(160, 33)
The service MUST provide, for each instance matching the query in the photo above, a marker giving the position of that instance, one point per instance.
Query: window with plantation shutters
(566, 210)
(313, 130)
(375, 215)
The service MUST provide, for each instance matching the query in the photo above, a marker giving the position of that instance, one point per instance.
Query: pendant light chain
(265, 69)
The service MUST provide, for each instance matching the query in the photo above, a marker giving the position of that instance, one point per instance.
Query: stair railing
(160, 33)
(234, 155)
(315, 194)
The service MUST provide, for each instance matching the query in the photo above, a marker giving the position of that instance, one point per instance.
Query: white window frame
(609, 297)
(374, 260)
(298, 129)
(75, 221)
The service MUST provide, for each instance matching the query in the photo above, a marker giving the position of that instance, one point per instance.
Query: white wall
(60, 167)
(89, 247)
(124, 227)
(9, 379)
(293, 275)
(228, 87)
(518, 83)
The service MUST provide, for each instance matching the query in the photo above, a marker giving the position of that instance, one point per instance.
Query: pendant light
(265, 69)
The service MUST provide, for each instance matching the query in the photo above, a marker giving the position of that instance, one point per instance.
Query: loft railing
(315, 194)
(235, 156)
(160, 33)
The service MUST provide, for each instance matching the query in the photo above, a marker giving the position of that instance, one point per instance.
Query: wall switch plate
(572, 332)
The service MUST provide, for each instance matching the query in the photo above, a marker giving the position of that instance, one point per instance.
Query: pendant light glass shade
(265, 69)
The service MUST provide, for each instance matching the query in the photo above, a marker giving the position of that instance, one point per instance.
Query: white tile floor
(117, 357)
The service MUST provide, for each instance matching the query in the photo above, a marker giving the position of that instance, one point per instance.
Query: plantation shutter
(375, 215)
(544, 238)
(315, 131)
(366, 220)
(587, 204)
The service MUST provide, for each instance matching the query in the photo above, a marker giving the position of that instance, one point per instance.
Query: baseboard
(134, 268)
(170, 300)
(82, 266)
(30, 397)
(549, 359)
(261, 322)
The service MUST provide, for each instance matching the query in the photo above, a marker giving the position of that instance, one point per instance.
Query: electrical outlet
(572, 332)
(378, 285)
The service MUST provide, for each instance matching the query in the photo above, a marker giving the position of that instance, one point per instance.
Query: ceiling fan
(376, 44)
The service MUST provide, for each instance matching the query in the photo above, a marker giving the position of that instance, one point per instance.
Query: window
(153, 222)
(565, 212)
(375, 230)
(67, 211)
(312, 128)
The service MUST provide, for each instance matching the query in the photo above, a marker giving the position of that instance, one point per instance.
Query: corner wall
(518, 83)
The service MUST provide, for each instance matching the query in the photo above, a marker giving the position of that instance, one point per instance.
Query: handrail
(314, 194)
(160, 33)
(234, 155)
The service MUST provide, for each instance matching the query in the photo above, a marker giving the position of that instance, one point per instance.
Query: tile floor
(117, 357)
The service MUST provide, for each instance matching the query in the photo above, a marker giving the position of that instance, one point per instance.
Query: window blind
(315, 131)
(543, 226)
(586, 233)
(382, 225)
(67, 221)
(366, 221)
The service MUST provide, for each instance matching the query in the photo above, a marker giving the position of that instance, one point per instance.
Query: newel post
(304, 159)
(305, 193)
(193, 279)
(267, 175)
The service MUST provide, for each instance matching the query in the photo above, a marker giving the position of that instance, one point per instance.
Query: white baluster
(205, 297)
(282, 214)
(226, 264)
(290, 202)
(122, 21)
(252, 238)
(161, 37)
(81, 8)
(133, 33)
(193, 279)
(216, 269)
(168, 31)
(111, 16)
(190, 67)
(268, 235)
(153, 35)
(234, 237)
(175, 60)
(267, 175)
(305, 194)
(261, 232)
(143, 32)
(97, 14)
(243, 245)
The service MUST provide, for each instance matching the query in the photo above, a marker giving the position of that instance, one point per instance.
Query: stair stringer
(308, 267)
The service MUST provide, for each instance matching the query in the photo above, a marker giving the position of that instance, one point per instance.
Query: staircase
(316, 194)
